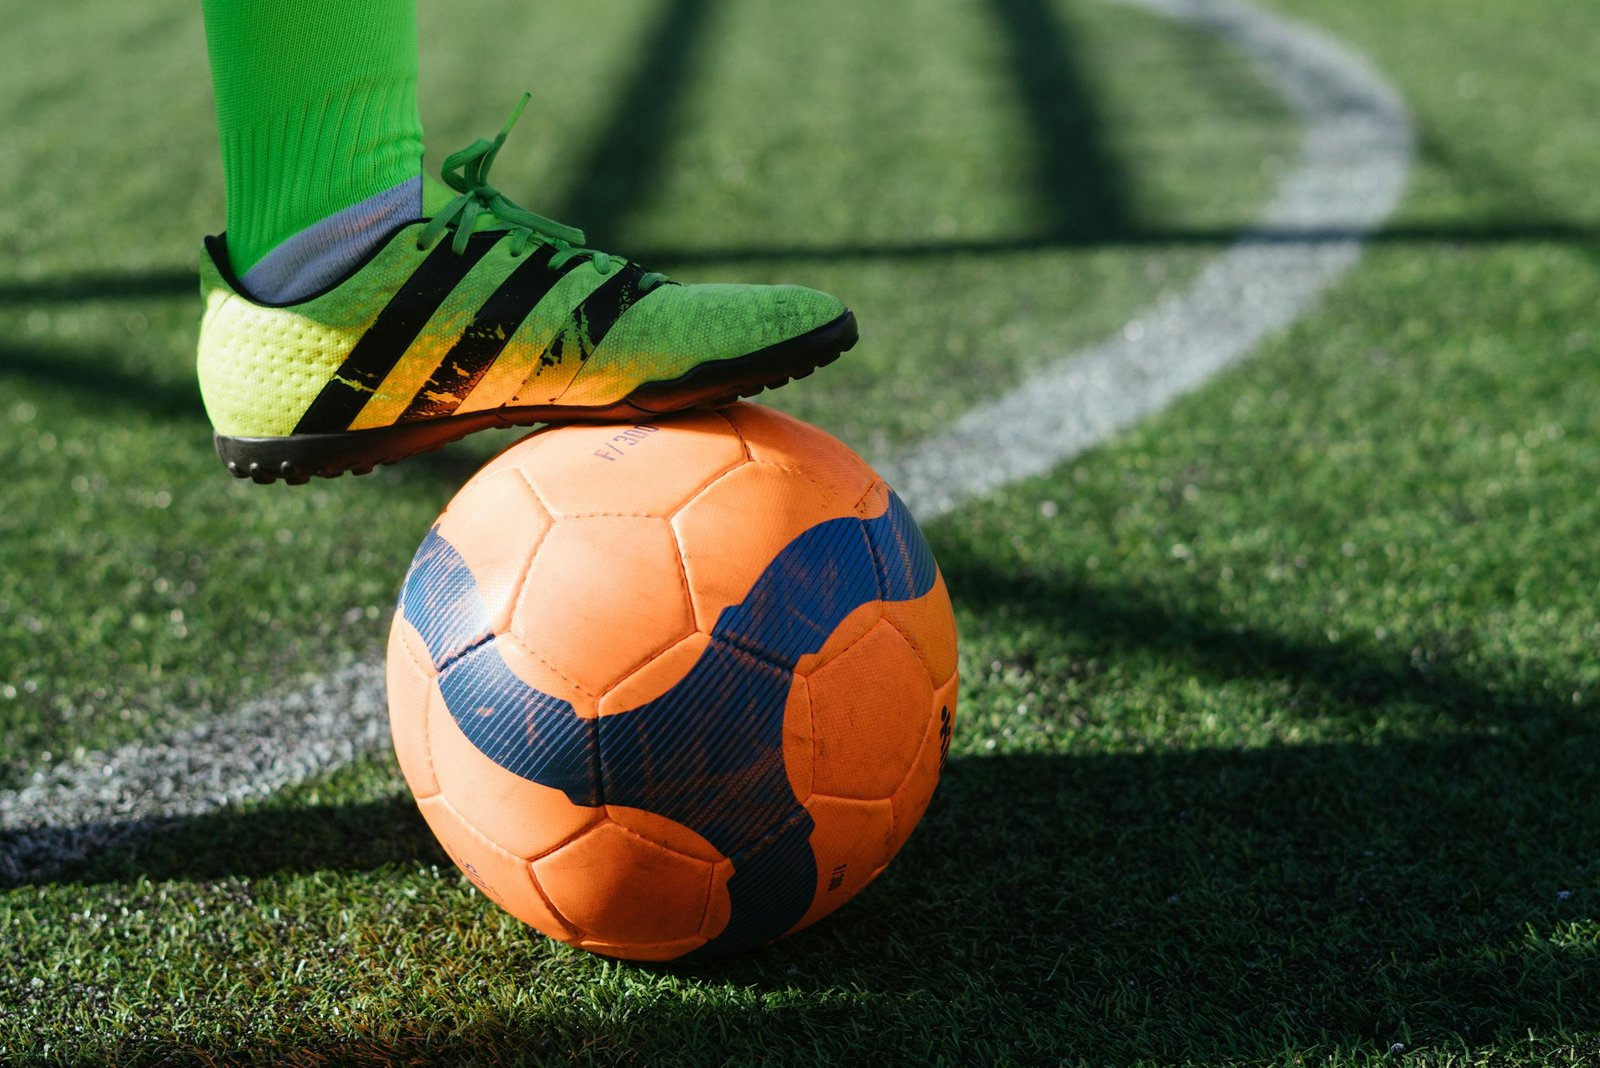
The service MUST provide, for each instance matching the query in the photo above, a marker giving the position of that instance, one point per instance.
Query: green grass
(1278, 738)
(102, 421)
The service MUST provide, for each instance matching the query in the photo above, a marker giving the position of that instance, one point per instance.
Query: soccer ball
(676, 687)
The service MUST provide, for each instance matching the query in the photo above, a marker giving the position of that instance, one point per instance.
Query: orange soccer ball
(674, 687)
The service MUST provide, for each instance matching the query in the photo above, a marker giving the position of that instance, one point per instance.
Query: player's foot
(483, 315)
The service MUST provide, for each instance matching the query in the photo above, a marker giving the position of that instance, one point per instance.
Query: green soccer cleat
(484, 315)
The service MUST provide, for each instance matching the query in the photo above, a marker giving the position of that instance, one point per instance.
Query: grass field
(1278, 739)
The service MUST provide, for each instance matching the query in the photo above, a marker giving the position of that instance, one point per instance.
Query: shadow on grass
(1174, 906)
(101, 375)
(1078, 183)
(253, 842)
(1518, 205)
(1212, 904)
(1171, 905)
(1349, 677)
(86, 289)
(615, 179)
(1585, 238)
(101, 286)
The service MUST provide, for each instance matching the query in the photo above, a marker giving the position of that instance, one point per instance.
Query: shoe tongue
(435, 196)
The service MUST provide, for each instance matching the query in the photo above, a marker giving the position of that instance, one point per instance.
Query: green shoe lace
(467, 172)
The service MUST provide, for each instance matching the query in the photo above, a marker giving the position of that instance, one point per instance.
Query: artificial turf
(1278, 738)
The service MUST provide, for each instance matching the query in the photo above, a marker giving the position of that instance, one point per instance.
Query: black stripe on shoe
(593, 319)
(387, 339)
(470, 358)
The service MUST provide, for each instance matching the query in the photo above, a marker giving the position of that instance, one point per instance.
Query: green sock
(317, 111)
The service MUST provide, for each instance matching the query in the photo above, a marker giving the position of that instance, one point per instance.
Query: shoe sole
(298, 458)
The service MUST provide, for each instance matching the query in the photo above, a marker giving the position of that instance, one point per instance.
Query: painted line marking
(1355, 156)
(1354, 160)
(72, 810)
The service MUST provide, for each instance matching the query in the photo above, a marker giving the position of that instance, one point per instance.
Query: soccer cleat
(484, 315)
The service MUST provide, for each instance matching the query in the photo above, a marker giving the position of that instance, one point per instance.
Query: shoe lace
(467, 172)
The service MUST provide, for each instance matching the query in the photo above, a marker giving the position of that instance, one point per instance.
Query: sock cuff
(317, 256)
(316, 108)
(317, 159)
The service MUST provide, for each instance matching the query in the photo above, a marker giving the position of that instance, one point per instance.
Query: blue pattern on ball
(708, 753)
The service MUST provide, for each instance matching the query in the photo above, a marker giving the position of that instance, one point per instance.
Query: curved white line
(1353, 164)
(75, 809)
(1354, 161)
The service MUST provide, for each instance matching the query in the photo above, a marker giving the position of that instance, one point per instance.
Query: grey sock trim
(320, 255)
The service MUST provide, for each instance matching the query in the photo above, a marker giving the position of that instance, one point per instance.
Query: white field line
(1354, 159)
(72, 810)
